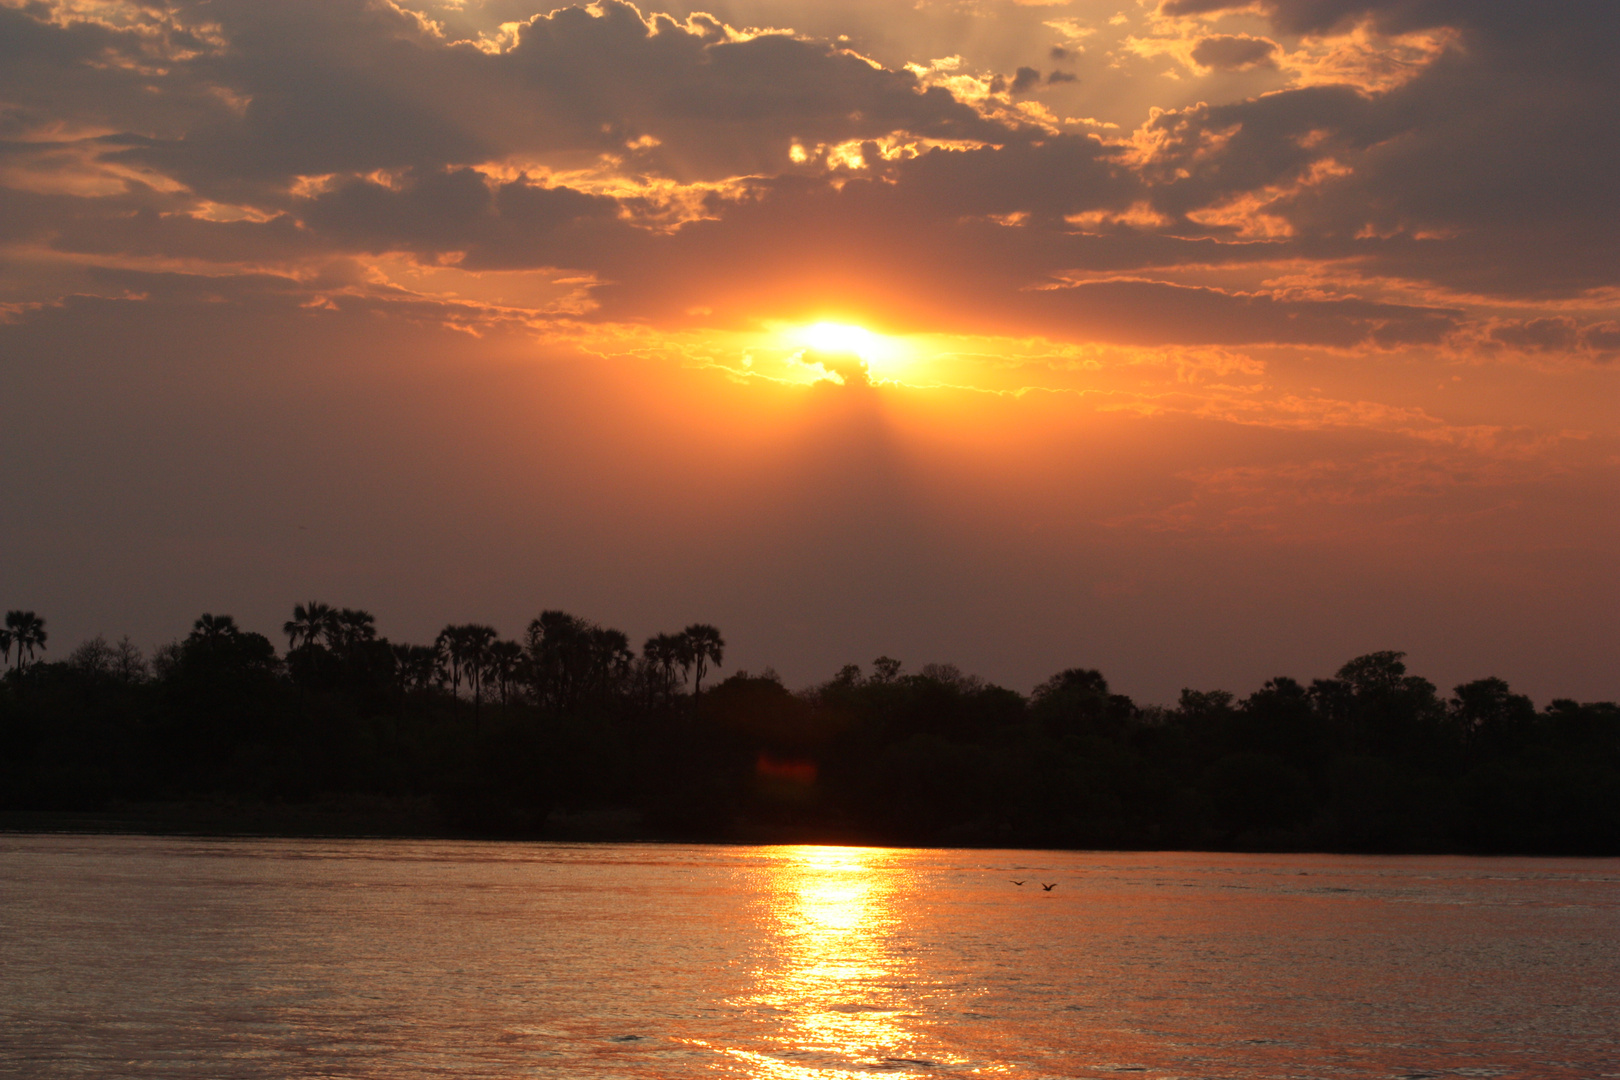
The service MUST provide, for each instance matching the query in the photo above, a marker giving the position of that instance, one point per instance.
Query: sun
(885, 357)
(839, 338)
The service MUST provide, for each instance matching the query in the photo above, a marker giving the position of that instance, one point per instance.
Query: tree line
(567, 730)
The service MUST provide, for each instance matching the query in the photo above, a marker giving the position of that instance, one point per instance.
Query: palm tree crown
(702, 643)
(308, 624)
(212, 628)
(350, 627)
(663, 655)
(26, 631)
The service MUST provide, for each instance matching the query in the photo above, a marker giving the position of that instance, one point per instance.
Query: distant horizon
(476, 734)
(284, 649)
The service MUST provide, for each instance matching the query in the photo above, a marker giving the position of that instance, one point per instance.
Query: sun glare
(883, 356)
(839, 338)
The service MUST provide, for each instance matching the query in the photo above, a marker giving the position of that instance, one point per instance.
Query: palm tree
(684, 656)
(413, 670)
(505, 659)
(402, 670)
(350, 627)
(448, 646)
(561, 658)
(309, 623)
(612, 658)
(465, 651)
(5, 644)
(703, 643)
(477, 641)
(413, 666)
(26, 631)
(663, 655)
(214, 628)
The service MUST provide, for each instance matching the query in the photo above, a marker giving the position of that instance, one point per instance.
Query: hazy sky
(1195, 342)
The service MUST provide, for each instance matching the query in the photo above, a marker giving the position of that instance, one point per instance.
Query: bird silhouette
(1047, 887)
(1017, 882)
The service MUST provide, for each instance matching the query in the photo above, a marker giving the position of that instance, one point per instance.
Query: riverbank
(365, 818)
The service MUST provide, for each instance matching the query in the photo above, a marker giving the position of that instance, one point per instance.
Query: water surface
(150, 957)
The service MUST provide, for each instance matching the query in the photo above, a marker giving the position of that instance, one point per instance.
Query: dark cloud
(1235, 52)
(517, 223)
(1392, 16)
(1489, 170)
(1544, 334)
(1047, 178)
(143, 223)
(1495, 18)
(888, 249)
(1558, 335)
(1197, 7)
(953, 240)
(346, 86)
(1156, 313)
(735, 105)
(1603, 339)
(1490, 167)
(1207, 154)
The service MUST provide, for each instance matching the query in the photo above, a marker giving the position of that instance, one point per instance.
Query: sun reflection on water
(841, 992)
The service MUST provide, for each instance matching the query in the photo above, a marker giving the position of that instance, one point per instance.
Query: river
(127, 956)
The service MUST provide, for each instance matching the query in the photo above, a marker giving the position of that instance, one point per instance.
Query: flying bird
(1050, 887)
(1017, 882)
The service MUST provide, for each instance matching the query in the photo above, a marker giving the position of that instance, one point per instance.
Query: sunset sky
(1195, 342)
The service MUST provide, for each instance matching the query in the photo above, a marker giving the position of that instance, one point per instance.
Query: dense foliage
(569, 728)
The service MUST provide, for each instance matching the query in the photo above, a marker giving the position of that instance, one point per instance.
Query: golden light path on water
(831, 911)
(846, 998)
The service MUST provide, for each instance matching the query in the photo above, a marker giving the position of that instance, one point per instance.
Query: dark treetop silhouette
(569, 732)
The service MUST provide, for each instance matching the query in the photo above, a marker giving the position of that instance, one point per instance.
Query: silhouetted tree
(1368, 760)
(217, 641)
(567, 657)
(450, 646)
(1385, 711)
(478, 642)
(93, 657)
(310, 624)
(885, 669)
(613, 658)
(661, 655)
(1278, 719)
(848, 677)
(1487, 710)
(414, 667)
(26, 634)
(128, 665)
(348, 629)
(213, 629)
(1077, 700)
(505, 662)
(701, 643)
